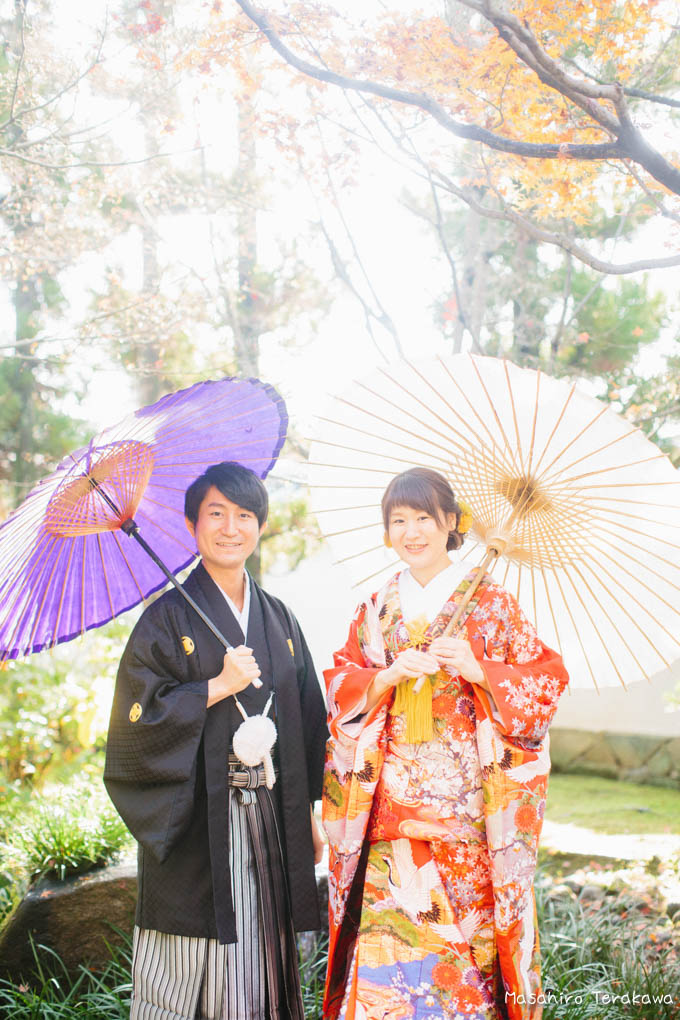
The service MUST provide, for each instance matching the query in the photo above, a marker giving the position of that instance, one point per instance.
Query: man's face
(226, 534)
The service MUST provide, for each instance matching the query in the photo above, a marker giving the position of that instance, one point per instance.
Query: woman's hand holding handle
(408, 664)
(456, 656)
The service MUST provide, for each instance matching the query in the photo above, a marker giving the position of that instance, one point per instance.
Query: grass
(106, 996)
(312, 976)
(57, 842)
(60, 832)
(611, 806)
(57, 996)
(608, 959)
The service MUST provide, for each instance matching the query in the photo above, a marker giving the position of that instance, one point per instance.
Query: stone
(591, 892)
(660, 764)
(599, 754)
(561, 891)
(567, 746)
(631, 757)
(76, 919)
(673, 751)
(630, 751)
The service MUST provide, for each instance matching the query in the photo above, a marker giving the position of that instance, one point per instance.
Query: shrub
(607, 959)
(60, 832)
(54, 707)
(104, 996)
(66, 831)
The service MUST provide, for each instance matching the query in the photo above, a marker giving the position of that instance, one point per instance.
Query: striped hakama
(178, 977)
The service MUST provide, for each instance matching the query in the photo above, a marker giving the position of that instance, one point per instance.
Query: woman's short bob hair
(238, 484)
(423, 489)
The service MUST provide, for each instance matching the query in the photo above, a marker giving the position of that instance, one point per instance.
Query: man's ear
(190, 527)
(263, 527)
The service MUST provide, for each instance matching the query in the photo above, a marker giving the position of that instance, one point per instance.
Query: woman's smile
(419, 539)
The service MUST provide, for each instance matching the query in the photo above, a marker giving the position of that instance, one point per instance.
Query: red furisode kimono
(433, 845)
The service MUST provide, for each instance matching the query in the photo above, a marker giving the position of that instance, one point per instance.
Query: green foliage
(104, 996)
(604, 960)
(291, 534)
(60, 832)
(609, 325)
(80, 832)
(652, 403)
(557, 316)
(33, 433)
(54, 708)
(313, 976)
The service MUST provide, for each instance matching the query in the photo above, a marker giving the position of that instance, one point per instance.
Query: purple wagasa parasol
(66, 564)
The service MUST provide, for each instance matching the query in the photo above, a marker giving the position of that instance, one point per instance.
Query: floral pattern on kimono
(433, 845)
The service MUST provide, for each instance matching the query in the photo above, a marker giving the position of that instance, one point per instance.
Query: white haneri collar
(242, 615)
(418, 600)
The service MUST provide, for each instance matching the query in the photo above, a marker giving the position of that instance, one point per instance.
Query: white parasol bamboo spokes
(583, 509)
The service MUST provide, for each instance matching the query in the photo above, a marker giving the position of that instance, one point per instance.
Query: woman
(433, 801)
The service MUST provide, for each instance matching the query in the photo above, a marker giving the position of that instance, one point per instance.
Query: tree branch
(439, 227)
(343, 274)
(628, 90)
(651, 97)
(566, 294)
(628, 143)
(471, 132)
(13, 117)
(84, 162)
(568, 245)
(557, 240)
(21, 14)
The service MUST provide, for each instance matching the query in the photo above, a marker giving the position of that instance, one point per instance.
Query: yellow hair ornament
(465, 519)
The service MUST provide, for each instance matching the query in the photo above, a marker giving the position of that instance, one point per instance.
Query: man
(226, 866)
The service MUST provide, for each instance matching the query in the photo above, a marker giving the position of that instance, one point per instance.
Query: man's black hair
(239, 484)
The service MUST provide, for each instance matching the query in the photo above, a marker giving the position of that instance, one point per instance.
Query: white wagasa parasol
(574, 510)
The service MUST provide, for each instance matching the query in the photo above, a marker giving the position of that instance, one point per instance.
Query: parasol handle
(491, 554)
(130, 528)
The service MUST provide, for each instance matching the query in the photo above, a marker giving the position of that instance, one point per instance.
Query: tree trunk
(246, 352)
(247, 333)
(26, 304)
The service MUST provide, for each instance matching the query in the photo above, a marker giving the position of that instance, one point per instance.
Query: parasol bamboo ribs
(130, 528)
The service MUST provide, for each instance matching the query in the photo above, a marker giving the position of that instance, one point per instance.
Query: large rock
(629, 750)
(598, 759)
(662, 763)
(568, 746)
(77, 919)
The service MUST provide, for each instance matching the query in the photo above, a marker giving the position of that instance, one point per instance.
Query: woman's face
(420, 540)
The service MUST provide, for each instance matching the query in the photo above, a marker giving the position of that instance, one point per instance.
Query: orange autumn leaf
(465, 66)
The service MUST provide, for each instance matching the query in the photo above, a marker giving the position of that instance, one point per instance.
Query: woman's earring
(387, 541)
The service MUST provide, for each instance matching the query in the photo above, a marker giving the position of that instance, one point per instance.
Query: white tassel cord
(254, 740)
